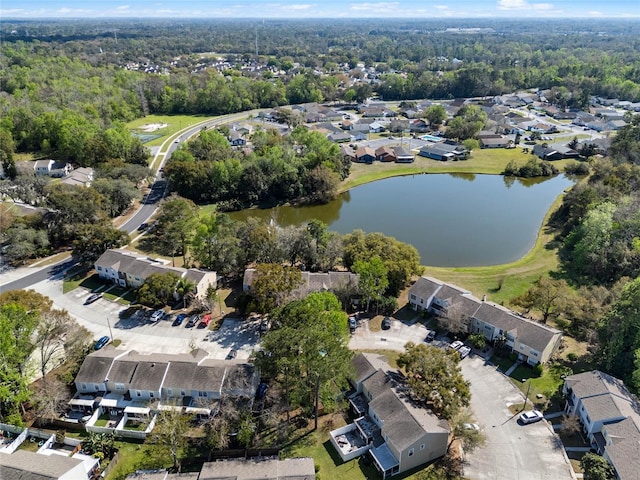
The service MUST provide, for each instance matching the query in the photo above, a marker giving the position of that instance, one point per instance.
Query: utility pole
(317, 400)
(110, 332)
(526, 397)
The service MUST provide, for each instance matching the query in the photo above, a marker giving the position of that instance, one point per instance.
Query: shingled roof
(24, 465)
(96, 365)
(258, 469)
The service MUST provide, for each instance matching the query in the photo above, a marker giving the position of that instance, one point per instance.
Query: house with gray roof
(25, 465)
(532, 341)
(610, 417)
(129, 269)
(397, 433)
(443, 151)
(311, 281)
(130, 386)
(259, 468)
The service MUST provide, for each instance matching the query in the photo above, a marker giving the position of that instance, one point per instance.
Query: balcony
(348, 442)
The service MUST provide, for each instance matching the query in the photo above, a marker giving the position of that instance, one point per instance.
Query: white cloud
(442, 8)
(301, 6)
(542, 6)
(387, 7)
(512, 4)
(122, 8)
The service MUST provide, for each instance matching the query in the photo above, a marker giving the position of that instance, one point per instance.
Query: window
(413, 297)
(182, 393)
(411, 452)
(150, 394)
(202, 394)
(96, 388)
(83, 386)
(138, 393)
(170, 392)
(533, 353)
(119, 386)
(422, 447)
(99, 268)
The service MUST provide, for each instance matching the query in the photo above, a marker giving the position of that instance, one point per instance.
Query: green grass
(136, 456)
(501, 283)
(75, 278)
(102, 421)
(547, 384)
(121, 295)
(391, 355)
(175, 123)
(503, 364)
(137, 426)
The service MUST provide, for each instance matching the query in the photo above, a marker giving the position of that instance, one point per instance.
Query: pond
(454, 220)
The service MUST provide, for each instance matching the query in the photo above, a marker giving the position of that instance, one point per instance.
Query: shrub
(572, 357)
(478, 340)
(538, 369)
(513, 356)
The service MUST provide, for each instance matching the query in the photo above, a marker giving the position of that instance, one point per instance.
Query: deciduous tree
(272, 285)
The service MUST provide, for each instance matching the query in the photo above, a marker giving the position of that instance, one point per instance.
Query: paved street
(512, 451)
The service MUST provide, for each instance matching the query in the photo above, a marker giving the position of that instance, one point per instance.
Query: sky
(321, 8)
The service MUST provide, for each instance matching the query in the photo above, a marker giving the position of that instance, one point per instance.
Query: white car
(464, 351)
(456, 345)
(157, 315)
(532, 416)
(471, 426)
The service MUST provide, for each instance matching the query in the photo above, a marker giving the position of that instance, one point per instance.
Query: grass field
(482, 161)
(175, 123)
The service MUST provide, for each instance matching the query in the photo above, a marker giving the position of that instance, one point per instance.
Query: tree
(100, 443)
(50, 399)
(92, 240)
(272, 284)
(435, 378)
(619, 339)
(373, 280)
(170, 434)
(547, 295)
(436, 114)
(462, 429)
(596, 467)
(24, 243)
(305, 351)
(119, 194)
(571, 425)
(50, 336)
(176, 224)
(158, 289)
(184, 288)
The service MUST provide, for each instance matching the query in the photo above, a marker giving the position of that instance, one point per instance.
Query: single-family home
(443, 151)
(615, 124)
(554, 152)
(385, 154)
(497, 141)
(81, 177)
(348, 153)
(419, 126)
(365, 155)
(339, 137)
(610, 417)
(403, 155)
(236, 139)
(127, 269)
(43, 167)
(392, 430)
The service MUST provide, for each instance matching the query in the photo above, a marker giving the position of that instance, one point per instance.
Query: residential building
(394, 431)
(532, 341)
(403, 155)
(610, 417)
(128, 269)
(257, 469)
(43, 167)
(555, 152)
(385, 154)
(126, 385)
(365, 155)
(46, 465)
(311, 282)
(81, 177)
(497, 141)
(443, 151)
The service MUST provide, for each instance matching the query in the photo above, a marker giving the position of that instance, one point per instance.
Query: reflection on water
(452, 219)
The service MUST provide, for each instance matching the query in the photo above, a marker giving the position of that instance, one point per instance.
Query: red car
(205, 321)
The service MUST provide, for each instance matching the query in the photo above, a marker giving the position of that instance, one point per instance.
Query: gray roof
(615, 398)
(425, 287)
(404, 423)
(378, 384)
(129, 263)
(623, 451)
(149, 375)
(240, 376)
(122, 370)
(366, 364)
(532, 334)
(96, 365)
(24, 465)
(259, 469)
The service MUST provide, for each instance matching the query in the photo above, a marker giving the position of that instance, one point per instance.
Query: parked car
(156, 316)
(456, 345)
(179, 319)
(205, 321)
(352, 324)
(464, 352)
(531, 416)
(430, 336)
(471, 426)
(102, 341)
(232, 354)
(193, 319)
(386, 323)
(92, 298)
(143, 226)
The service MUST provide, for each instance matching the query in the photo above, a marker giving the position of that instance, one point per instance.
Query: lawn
(102, 421)
(121, 295)
(548, 384)
(135, 456)
(501, 283)
(391, 355)
(76, 278)
(174, 123)
(503, 364)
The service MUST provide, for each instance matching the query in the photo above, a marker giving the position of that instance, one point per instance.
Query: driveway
(512, 451)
